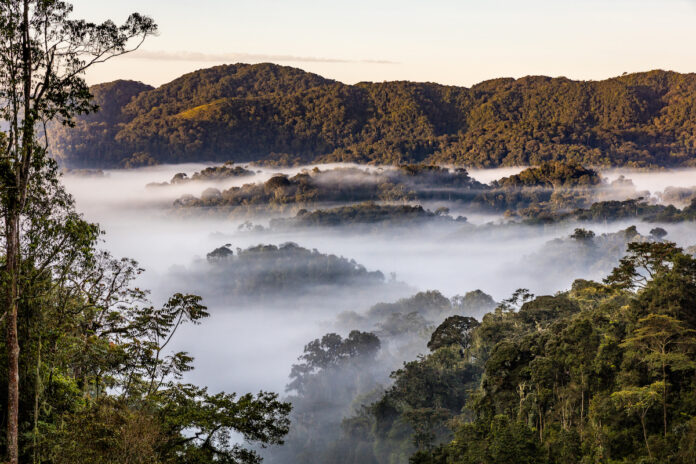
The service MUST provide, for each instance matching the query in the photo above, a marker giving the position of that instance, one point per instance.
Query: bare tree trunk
(11, 295)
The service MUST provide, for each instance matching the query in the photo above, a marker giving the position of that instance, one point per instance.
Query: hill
(280, 114)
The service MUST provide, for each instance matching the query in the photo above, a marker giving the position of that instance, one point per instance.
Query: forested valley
(480, 321)
(256, 264)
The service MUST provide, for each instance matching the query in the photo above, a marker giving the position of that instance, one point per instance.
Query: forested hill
(267, 112)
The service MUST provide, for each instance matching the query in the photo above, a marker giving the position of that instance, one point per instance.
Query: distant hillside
(267, 112)
(92, 142)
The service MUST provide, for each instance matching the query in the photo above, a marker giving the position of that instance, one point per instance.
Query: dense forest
(551, 192)
(365, 214)
(94, 368)
(88, 372)
(335, 375)
(336, 186)
(602, 372)
(614, 210)
(226, 170)
(284, 115)
(268, 271)
(99, 383)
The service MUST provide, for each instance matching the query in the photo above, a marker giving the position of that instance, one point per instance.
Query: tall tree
(644, 261)
(639, 401)
(44, 54)
(665, 343)
(455, 330)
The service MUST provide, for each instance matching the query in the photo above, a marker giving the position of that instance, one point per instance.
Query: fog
(656, 181)
(253, 337)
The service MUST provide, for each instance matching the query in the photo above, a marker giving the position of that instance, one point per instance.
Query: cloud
(236, 57)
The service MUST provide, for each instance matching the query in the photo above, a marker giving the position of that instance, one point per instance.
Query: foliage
(600, 373)
(613, 210)
(455, 330)
(267, 112)
(99, 383)
(550, 192)
(95, 379)
(44, 54)
(369, 213)
(211, 174)
(331, 373)
(268, 271)
(584, 251)
(343, 185)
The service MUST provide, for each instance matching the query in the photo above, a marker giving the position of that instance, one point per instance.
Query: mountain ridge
(281, 114)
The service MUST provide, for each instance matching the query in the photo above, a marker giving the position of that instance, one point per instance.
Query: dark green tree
(455, 330)
(645, 260)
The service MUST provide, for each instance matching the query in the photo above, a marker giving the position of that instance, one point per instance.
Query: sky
(447, 41)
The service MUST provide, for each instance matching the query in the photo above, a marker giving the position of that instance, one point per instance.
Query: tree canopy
(280, 114)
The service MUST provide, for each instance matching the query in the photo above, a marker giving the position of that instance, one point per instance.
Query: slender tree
(44, 54)
(639, 401)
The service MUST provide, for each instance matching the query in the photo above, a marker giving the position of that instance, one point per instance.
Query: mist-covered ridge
(335, 195)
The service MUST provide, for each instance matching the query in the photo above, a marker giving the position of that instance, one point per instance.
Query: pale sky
(451, 42)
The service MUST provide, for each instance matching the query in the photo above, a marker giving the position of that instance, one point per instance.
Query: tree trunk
(645, 435)
(582, 407)
(664, 396)
(11, 296)
(12, 220)
(37, 393)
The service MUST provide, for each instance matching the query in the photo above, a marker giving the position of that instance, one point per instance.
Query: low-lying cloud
(255, 342)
